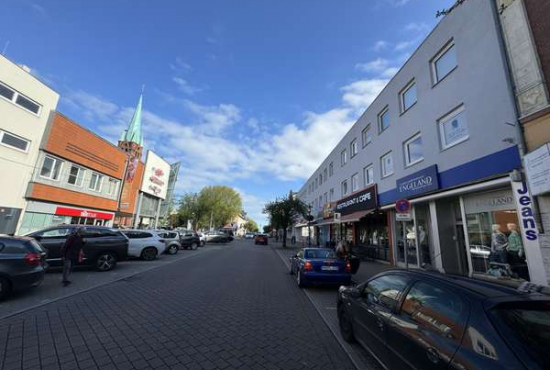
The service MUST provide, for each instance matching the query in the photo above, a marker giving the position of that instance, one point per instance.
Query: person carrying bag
(72, 252)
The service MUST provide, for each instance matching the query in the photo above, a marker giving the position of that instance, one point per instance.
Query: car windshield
(320, 253)
(526, 325)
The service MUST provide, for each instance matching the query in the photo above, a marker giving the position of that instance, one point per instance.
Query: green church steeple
(133, 134)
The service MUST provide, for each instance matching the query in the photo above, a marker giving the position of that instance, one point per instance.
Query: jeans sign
(423, 181)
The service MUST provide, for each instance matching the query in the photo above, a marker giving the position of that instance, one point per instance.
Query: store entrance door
(406, 243)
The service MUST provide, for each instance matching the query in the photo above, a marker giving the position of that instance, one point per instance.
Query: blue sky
(247, 93)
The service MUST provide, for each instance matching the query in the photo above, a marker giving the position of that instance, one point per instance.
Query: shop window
(453, 128)
(444, 62)
(372, 235)
(354, 182)
(368, 175)
(344, 157)
(51, 168)
(76, 175)
(96, 181)
(494, 234)
(14, 141)
(353, 148)
(413, 150)
(407, 97)
(405, 237)
(366, 136)
(386, 163)
(344, 188)
(383, 120)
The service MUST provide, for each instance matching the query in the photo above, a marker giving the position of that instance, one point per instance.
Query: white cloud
(180, 66)
(404, 45)
(417, 27)
(360, 94)
(214, 119)
(377, 65)
(185, 86)
(380, 45)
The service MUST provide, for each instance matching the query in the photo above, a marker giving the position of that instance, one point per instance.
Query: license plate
(329, 268)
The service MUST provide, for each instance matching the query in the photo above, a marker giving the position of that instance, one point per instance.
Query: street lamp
(309, 219)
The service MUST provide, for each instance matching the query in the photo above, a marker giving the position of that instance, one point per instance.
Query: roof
(133, 134)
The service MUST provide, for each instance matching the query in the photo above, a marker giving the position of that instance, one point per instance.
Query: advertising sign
(155, 177)
(63, 211)
(423, 181)
(537, 167)
(362, 201)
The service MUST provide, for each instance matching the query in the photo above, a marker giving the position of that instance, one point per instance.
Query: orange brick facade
(57, 195)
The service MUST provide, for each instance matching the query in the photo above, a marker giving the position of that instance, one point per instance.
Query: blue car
(320, 266)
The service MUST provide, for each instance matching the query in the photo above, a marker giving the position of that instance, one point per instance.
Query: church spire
(133, 134)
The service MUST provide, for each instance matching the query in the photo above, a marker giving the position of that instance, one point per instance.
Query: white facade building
(26, 104)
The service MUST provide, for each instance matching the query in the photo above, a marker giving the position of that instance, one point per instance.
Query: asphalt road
(229, 307)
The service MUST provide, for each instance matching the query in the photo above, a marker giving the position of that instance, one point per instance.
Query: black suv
(189, 239)
(424, 320)
(22, 262)
(103, 249)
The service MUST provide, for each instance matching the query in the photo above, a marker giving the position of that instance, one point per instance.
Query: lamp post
(309, 218)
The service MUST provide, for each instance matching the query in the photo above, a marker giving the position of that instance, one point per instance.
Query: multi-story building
(442, 138)
(77, 179)
(526, 31)
(25, 108)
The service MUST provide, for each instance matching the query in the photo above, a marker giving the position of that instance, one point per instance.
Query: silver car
(144, 244)
(171, 239)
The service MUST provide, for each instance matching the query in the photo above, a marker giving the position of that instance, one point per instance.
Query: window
(18, 99)
(320, 178)
(96, 182)
(76, 176)
(51, 168)
(366, 136)
(383, 120)
(54, 233)
(413, 150)
(344, 157)
(331, 194)
(353, 148)
(354, 182)
(453, 128)
(434, 310)
(13, 141)
(407, 97)
(386, 163)
(316, 183)
(330, 169)
(385, 290)
(112, 186)
(320, 201)
(344, 188)
(325, 174)
(326, 197)
(368, 175)
(444, 62)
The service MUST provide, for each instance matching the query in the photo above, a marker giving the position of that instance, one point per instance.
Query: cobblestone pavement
(235, 308)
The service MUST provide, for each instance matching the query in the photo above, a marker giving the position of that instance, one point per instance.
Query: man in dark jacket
(70, 251)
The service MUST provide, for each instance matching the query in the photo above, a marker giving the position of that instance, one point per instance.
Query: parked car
(319, 266)
(144, 244)
(189, 239)
(103, 248)
(260, 239)
(202, 238)
(171, 240)
(22, 264)
(427, 320)
(249, 235)
(217, 237)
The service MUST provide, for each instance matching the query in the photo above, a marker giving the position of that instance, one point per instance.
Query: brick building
(77, 179)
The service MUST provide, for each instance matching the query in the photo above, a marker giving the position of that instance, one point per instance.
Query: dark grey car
(22, 263)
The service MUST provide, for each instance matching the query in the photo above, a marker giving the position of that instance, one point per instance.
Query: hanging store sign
(63, 211)
(362, 201)
(537, 167)
(423, 181)
(155, 178)
(328, 211)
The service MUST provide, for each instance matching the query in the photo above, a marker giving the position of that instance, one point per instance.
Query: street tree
(284, 212)
(251, 225)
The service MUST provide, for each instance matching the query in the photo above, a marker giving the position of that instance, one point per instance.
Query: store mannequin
(499, 242)
(515, 245)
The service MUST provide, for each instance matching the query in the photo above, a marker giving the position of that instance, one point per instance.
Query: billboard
(155, 177)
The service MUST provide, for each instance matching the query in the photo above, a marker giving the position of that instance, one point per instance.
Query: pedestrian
(72, 252)
(342, 249)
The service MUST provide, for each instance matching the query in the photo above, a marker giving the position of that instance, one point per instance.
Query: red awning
(62, 211)
(355, 216)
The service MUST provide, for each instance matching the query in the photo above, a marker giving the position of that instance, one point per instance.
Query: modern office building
(442, 138)
(77, 179)
(26, 105)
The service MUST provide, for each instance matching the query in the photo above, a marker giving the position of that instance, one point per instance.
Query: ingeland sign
(423, 181)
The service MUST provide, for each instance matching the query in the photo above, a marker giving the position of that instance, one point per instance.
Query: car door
(426, 332)
(134, 245)
(52, 240)
(296, 260)
(372, 310)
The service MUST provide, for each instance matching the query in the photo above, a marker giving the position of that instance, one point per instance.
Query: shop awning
(325, 222)
(355, 216)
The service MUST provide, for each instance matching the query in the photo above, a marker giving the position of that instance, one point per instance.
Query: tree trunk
(284, 238)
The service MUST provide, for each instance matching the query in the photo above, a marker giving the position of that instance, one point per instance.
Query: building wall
(17, 166)
(479, 83)
(64, 196)
(539, 13)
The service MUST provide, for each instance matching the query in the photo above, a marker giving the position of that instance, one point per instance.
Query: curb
(98, 286)
(359, 365)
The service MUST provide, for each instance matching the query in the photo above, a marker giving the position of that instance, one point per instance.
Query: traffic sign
(402, 206)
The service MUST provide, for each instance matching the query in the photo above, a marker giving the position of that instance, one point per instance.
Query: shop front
(40, 215)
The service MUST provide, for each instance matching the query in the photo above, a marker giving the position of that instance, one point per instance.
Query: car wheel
(173, 249)
(202, 243)
(346, 328)
(149, 254)
(5, 288)
(105, 262)
(299, 279)
(194, 246)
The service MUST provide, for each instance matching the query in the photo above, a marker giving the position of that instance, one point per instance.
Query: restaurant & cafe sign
(363, 200)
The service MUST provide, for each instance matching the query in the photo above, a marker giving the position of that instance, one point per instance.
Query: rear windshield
(34, 246)
(320, 254)
(526, 325)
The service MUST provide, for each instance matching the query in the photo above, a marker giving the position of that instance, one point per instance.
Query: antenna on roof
(5, 48)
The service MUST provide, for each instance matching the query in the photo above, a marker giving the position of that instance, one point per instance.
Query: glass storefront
(33, 221)
(406, 241)
(372, 237)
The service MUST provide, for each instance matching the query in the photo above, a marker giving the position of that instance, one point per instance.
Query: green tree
(283, 212)
(188, 210)
(251, 225)
(221, 204)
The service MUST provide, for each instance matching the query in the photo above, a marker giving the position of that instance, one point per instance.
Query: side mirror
(354, 292)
